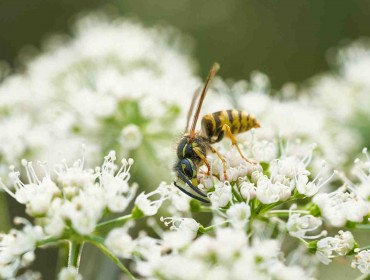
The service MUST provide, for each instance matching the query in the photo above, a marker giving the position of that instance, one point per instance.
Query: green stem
(237, 195)
(207, 229)
(50, 240)
(62, 259)
(361, 226)
(364, 248)
(74, 254)
(116, 222)
(285, 213)
(267, 207)
(97, 241)
(303, 241)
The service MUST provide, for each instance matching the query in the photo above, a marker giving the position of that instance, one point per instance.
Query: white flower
(148, 207)
(120, 242)
(248, 190)
(362, 261)
(131, 137)
(339, 245)
(222, 195)
(238, 214)
(178, 267)
(115, 183)
(298, 225)
(54, 222)
(339, 206)
(325, 249)
(147, 247)
(305, 187)
(187, 225)
(69, 273)
(362, 171)
(280, 271)
(264, 151)
(183, 231)
(179, 201)
(78, 196)
(268, 192)
(288, 166)
(71, 178)
(37, 194)
(84, 212)
(17, 248)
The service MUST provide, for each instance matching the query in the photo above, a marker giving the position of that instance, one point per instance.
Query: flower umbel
(68, 206)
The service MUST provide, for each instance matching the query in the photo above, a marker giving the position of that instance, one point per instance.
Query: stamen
(326, 181)
(348, 182)
(32, 172)
(308, 157)
(5, 188)
(43, 166)
(321, 234)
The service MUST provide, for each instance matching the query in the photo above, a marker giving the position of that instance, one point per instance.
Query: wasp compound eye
(188, 168)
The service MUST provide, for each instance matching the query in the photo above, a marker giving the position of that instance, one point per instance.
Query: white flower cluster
(254, 191)
(349, 203)
(344, 93)
(117, 85)
(112, 83)
(277, 180)
(72, 204)
(225, 255)
(77, 197)
(17, 248)
(341, 206)
(228, 249)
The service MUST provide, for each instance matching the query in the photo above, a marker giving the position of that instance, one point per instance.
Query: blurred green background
(288, 40)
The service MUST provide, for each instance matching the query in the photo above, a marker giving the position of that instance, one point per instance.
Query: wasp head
(187, 173)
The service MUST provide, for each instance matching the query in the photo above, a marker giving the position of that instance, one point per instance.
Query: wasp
(193, 146)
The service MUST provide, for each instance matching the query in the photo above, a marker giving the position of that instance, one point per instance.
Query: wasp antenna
(211, 75)
(195, 97)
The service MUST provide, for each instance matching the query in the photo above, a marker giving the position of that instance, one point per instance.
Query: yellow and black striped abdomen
(238, 121)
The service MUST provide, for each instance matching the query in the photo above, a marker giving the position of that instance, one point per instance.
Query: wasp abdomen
(238, 121)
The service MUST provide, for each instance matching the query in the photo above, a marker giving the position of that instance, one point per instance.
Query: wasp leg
(226, 128)
(190, 194)
(204, 159)
(183, 177)
(213, 149)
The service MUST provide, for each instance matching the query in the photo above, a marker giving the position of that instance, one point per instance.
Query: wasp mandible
(193, 147)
